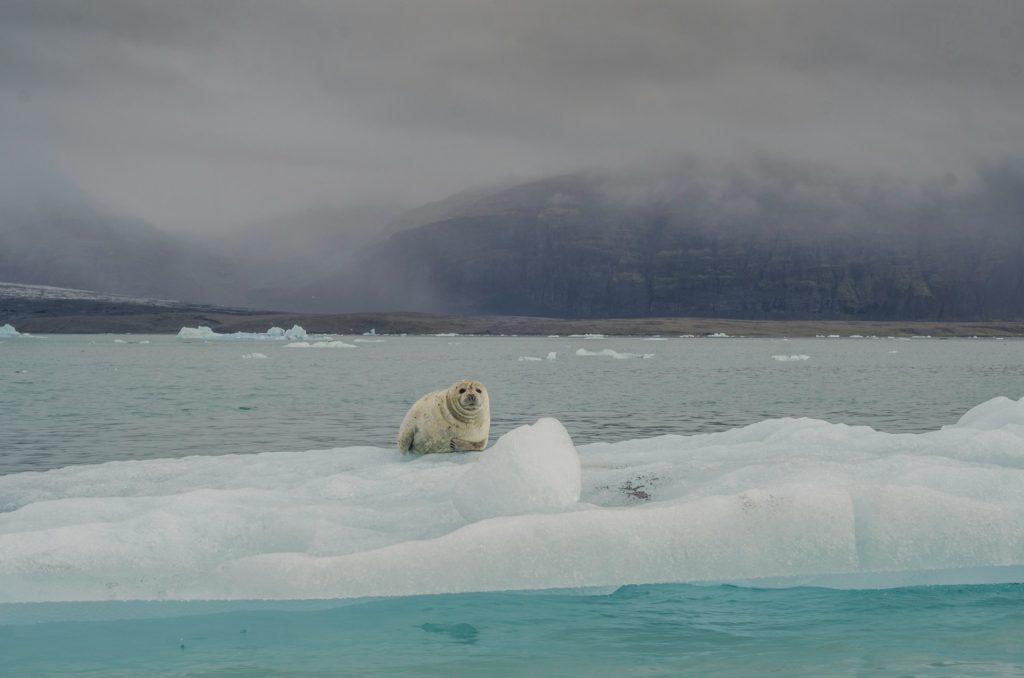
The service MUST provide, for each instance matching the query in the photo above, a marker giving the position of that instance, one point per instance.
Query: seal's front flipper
(405, 437)
(462, 445)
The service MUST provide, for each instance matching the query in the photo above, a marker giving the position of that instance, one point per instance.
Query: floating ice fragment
(531, 469)
(371, 333)
(529, 359)
(719, 335)
(790, 358)
(120, 341)
(447, 334)
(274, 333)
(552, 356)
(7, 330)
(254, 355)
(655, 338)
(588, 335)
(319, 344)
(611, 353)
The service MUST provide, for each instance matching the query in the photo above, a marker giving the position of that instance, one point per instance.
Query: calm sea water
(665, 630)
(85, 399)
(77, 400)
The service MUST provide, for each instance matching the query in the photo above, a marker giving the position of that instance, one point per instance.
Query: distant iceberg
(791, 358)
(319, 344)
(276, 333)
(9, 331)
(613, 354)
(254, 355)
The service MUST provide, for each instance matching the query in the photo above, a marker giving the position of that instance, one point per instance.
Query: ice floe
(612, 353)
(274, 333)
(790, 501)
(319, 344)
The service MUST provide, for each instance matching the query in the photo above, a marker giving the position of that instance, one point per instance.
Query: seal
(455, 419)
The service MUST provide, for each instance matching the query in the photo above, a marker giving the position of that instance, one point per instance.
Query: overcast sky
(198, 115)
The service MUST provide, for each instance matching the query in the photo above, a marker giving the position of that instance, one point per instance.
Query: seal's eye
(462, 390)
(478, 390)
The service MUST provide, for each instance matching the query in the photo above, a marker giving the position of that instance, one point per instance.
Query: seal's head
(468, 398)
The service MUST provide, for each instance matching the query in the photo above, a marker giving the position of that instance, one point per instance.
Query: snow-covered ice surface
(784, 501)
(274, 333)
(51, 293)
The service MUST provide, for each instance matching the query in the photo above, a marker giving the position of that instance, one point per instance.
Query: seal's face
(470, 395)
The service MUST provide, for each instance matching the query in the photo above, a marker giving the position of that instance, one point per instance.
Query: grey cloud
(285, 104)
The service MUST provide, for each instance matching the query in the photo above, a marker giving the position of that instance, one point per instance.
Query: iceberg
(782, 502)
(274, 333)
(319, 344)
(7, 330)
(791, 358)
(611, 353)
(254, 356)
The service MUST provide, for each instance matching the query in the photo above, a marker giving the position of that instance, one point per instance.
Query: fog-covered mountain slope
(768, 240)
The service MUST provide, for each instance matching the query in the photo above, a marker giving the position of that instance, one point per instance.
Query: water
(667, 630)
(84, 399)
(915, 530)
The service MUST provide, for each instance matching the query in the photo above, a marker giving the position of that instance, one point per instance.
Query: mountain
(53, 234)
(770, 240)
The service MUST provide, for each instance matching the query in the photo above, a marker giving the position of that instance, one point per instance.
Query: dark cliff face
(778, 242)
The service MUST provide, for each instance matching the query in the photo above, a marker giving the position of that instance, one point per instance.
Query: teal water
(667, 630)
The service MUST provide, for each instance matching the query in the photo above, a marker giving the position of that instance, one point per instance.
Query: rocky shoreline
(170, 321)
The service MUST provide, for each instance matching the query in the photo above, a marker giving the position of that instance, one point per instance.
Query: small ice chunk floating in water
(254, 356)
(319, 344)
(274, 333)
(791, 358)
(612, 353)
(782, 502)
(8, 330)
(553, 355)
